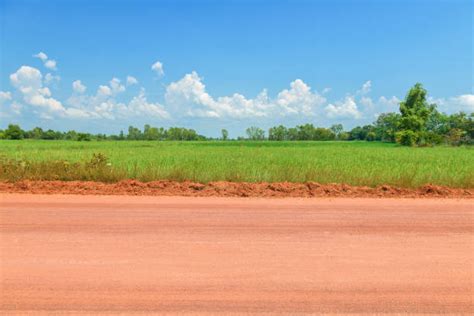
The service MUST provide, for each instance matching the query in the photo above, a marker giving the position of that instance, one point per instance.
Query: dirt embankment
(228, 189)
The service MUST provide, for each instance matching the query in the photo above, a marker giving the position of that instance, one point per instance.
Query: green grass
(355, 163)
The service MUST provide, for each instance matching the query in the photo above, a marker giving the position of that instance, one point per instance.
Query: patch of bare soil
(229, 189)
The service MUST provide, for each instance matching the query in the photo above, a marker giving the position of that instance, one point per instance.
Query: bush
(454, 136)
(371, 136)
(407, 138)
(429, 139)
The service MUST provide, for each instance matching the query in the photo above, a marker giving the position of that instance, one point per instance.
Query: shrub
(407, 138)
(429, 139)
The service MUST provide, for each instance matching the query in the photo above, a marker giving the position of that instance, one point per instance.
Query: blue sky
(228, 64)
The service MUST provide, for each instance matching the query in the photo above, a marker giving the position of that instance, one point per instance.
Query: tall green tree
(14, 132)
(255, 133)
(225, 134)
(415, 109)
(337, 129)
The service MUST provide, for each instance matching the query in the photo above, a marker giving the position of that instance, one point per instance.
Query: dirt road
(112, 254)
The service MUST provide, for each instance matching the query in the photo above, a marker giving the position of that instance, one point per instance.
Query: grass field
(355, 163)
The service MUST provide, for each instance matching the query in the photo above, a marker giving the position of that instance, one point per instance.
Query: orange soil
(228, 189)
(70, 254)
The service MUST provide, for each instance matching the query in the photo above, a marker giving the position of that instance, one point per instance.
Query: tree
(14, 132)
(360, 133)
(255, 133)
(151, 133)
(415, 110)
(386, 126)
(225, 134)
(278, 133)
(36, 133)
(337, 129)
(71, 135)
(83, 137)
(134, 133)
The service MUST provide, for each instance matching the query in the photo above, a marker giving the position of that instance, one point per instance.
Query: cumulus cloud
(29, 82)
(299, 99)
(105, 105)
(47, 62)
(189, 96)
(50, 79)
(41, 56)
(115, 86)
(131, 81)
(104, 91)
(466, 101)
(78, 87)
(50, 64)
(389, 104)
(5, 96)
(344, 109)
(366, 87)
(157, 67)
(140, 106)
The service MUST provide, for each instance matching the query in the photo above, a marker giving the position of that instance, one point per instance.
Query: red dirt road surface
(176, 255)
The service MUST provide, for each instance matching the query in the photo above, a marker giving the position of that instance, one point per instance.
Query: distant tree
(360, 132)
(84, 137)
(293, 133)
(255, 133)
(386, 126)
(134, 133)
(278, 133)
(151, 133)
(14, 132)
(36, 133)
(337, 129)
(225, 134)
(71, 135)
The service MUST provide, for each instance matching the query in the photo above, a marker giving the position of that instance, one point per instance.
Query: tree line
(149, 133)
(418, 123)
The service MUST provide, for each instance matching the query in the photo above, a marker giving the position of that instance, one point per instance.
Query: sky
(100, 66)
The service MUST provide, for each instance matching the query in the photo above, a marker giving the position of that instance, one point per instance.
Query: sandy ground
(65, 254)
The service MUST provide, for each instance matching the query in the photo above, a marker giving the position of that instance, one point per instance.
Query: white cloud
(104, 91)
(16, 108)
(41, 56)
(5, 96)
(28, 81)
(104, 105)
(466, 101)
(50, 79)
(131, 80)
(48, 63)
(299, 99)
(188, 96)
(115, 86)
(78, 87)
(345, 109)
(366, 88)
(367, 102)
(390, 104)
(157, 67)
(140, 106)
